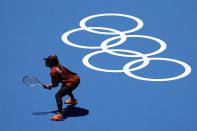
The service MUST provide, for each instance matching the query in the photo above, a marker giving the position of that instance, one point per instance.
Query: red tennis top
(61, 74)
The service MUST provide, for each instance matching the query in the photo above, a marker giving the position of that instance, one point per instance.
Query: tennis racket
(31, 81)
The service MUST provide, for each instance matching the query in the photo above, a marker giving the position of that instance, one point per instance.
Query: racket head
(31, 81)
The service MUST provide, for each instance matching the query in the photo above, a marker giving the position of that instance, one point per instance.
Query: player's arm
(54, 80)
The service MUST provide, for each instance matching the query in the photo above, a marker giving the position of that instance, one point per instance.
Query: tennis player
(69, 80)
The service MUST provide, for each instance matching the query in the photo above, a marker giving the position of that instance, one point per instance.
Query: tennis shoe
(57, 117)
(70, 101)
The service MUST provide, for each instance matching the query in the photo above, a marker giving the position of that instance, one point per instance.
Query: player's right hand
(46, 86)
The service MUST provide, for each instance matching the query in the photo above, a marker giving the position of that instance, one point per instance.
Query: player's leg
(72, 99)
(62, 92)
(72, 86)
(71, 95)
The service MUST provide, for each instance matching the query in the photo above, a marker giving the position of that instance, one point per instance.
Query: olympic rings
(105, 48)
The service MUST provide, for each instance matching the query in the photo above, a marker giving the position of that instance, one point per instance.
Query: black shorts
(64, 90)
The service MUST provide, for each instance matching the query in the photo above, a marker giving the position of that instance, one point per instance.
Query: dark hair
(52, 59)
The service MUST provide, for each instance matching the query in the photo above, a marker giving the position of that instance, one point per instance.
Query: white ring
(185, 73)
(161, 49)
(66, 34)
(83, 23)
(88, 56)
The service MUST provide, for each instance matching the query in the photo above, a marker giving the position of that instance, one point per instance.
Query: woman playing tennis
(69, 80)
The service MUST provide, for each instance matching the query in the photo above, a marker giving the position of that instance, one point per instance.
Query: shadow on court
(69, 111)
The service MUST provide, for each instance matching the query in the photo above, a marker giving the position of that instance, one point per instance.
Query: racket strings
(32, 81)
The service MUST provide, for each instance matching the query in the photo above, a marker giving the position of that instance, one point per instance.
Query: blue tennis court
(136, 61)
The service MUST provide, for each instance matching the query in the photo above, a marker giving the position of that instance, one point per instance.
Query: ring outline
(138, 27)
(185, 73)
(88, 56)
(162, 48)
(66, 41)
